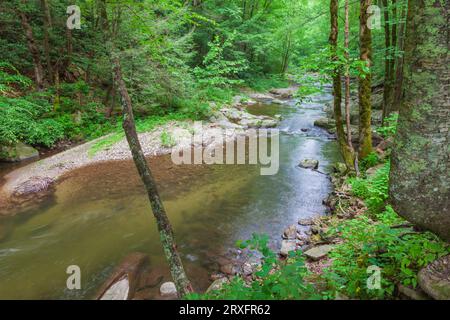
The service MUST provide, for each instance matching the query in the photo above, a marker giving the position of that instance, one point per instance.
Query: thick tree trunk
(337, 90)
(420, 173)
(365, 83)
(165, 229)
(35, 54)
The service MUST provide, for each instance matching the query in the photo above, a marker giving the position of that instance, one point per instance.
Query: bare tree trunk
(337, 90)
(365, 83)
(47, 27)
(35, 54)
(398, 88)
(387, 61)
(347, 75)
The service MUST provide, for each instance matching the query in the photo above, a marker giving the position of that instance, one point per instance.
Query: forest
(98, 97)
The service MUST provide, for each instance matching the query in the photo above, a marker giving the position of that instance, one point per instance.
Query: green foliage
(375, 243)
(265, 83)
(369, 161)
(167, 140)
(221, 66)
(275, 279)
(370, 240)
(373, 190)
(390, 126)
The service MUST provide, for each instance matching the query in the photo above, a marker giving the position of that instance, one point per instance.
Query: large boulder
(434, 279)
(17, 152)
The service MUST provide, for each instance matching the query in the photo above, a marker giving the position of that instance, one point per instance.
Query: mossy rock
(17, 152)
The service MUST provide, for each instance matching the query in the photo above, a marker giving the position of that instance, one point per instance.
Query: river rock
(228, 269)
(125, 280)
(306, 221)
(290, 232)
(340, 168)
(287, 246)
(217, 285)
(33, 185)
(261, 96)
(168, 289)
(319, 252)
(309, 164)
(284, 93)
(17, 152)
(434, 279)
(325, 123)
(412, 294)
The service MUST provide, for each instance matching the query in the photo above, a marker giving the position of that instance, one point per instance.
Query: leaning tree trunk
(364, 92)
(346, 153)
(419, 180)
(164, 227)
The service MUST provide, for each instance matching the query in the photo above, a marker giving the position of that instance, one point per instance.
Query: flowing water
(99, 214)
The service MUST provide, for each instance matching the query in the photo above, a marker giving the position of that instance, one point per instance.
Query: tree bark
(420, 171)
(164, 227)
(32, 47)
(365, 83)
(398, 87)
(47, 28)
(337, 90)
(347, 75)
(387, 61)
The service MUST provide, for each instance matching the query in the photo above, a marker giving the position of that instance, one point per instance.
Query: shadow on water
(100, 213)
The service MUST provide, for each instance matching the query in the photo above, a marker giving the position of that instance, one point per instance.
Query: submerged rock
(17, 152)
(309, 164)
(319, 252)
(125, 280)
(434, 279)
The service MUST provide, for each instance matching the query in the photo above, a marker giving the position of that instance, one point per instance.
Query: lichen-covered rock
(420, 168)
(434, 279)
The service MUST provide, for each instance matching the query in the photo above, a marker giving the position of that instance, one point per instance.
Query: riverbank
(34, 181)
(361, 250)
